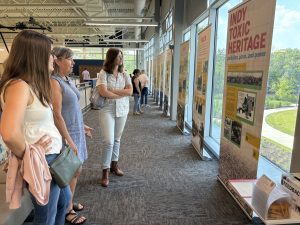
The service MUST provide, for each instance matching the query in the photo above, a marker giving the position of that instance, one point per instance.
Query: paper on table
(265, 184)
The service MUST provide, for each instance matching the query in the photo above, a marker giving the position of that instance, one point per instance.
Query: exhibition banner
(249, 37)
(167, 82)
(154, 66)
(147, 68)
(183, 84)
(162, 80)
(150, 73)
(158, 72)
(200, 85)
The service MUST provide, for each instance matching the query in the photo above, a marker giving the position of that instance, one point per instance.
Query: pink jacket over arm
(33, 169)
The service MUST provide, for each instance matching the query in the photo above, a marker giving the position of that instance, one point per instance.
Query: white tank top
(39, 121)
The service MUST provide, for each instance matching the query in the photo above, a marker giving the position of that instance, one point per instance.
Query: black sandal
(77, 208)
(74, 219)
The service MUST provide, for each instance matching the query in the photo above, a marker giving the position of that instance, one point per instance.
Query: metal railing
(85, 90)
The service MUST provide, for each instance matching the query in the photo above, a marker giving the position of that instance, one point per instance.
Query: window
(170, 35)
(187, 36)
(78, 53)
(87, 53)
(129, 60)
(219, 72)
(202, 25)
(282, 90)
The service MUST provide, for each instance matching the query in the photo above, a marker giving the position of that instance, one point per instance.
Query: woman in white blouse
(116, 86)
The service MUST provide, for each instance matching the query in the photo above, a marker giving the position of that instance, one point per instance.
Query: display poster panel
(162, 80)
(147, 68)
(249, 37)
(154, 66)
(182, 90)
(150, 75)
(167, 82)
(158, 72)
(200, 86)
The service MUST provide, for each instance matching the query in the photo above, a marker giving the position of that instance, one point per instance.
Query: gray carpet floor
(165, 182)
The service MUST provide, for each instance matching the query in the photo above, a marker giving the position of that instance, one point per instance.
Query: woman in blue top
(68, 117)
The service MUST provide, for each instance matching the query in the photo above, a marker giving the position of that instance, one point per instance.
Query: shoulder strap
(3, 91)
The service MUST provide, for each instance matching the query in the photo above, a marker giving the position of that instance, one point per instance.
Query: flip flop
(74, 220)
(77, 208)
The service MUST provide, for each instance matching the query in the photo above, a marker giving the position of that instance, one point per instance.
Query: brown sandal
(74, 219)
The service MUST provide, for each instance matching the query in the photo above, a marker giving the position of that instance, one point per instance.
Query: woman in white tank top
(27, 116)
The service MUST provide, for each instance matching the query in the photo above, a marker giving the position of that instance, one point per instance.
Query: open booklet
(270, 200)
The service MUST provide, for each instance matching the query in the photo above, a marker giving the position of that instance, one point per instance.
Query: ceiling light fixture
(124, 24)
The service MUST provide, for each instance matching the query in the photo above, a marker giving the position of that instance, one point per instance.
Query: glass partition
(219, 71)
(283, 89)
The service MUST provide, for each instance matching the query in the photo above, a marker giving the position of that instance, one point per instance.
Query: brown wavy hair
(28, 60)
(109, 62)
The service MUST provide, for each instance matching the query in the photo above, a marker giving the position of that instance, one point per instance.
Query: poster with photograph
(246, 75)
(150, 73)
(203, 47)
(183, 79)
(162, 80)
(147, 67)
(159, 78)
(245, 79)
(154, 76)
(246, 106)
(167, 82)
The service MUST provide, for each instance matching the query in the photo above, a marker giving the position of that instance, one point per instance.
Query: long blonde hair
(28, 60)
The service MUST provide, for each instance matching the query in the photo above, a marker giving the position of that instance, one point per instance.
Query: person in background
(116, 86)
(85, 74)
(27, 116)
(137, 92)
(145, 85)
(69, 119)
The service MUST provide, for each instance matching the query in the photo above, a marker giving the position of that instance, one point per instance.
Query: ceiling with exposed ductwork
(67, 22)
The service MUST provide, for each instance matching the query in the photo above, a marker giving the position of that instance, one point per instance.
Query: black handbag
(64, 167)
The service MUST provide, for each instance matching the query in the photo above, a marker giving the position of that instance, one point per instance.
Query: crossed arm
(114, 93)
